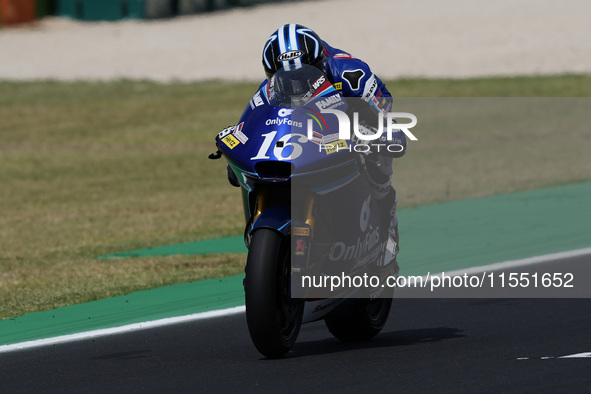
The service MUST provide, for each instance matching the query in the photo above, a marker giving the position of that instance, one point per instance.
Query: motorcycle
(311, 215)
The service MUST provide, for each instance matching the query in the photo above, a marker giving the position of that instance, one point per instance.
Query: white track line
(578, 355)
(239, 309)
(120, 330)
(523, 262)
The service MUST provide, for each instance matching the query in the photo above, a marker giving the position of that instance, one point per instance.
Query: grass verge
(88, 169)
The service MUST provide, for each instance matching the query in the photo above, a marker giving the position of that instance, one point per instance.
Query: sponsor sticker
(301, 231)
(300, 247)
(239, 134)
(319, 82)
(330, 138)
(290, 55)
(335, 147)
(256, 100)
(230, 141)
(381, 105)
(225, 132)
(320, 139)
(330, 102)
(285, 112)
(371, 87)
(282, 121)
(338, 86)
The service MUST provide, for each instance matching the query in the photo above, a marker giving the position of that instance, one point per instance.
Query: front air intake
(274, 170)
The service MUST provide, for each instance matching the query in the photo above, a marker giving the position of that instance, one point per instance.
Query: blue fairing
(270, 134)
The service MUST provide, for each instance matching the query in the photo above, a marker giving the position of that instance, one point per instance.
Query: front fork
(269, 206)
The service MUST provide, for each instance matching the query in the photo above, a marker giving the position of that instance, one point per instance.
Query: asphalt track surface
(428, 345)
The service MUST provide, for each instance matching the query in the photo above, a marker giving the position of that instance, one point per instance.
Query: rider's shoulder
(345, 70)
(342, 58)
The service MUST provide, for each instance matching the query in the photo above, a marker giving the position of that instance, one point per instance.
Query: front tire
(273, 317)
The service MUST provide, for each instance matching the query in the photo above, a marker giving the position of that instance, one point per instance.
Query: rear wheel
(362, 321)
(274, 318)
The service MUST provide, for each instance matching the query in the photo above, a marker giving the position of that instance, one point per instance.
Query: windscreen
(294, 86)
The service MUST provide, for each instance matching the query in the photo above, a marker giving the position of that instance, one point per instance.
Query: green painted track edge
(441, 237)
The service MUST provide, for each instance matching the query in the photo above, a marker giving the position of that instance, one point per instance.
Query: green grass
(88, 169)
(534, 86)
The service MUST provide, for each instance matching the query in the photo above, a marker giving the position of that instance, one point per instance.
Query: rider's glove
(393, 148)
(369, 151)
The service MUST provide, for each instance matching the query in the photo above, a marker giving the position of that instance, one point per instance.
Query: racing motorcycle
(311, 216)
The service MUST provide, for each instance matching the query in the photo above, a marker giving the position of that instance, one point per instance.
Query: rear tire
(363, 321)
(273, 317)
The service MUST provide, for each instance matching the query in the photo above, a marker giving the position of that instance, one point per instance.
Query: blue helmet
(293, 44)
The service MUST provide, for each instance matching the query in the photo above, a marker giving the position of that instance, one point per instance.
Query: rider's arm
(355, 79)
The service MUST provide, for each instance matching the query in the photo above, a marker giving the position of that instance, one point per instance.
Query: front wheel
(273, 317)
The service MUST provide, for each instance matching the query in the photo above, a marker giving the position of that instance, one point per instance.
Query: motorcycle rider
(294, 44)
